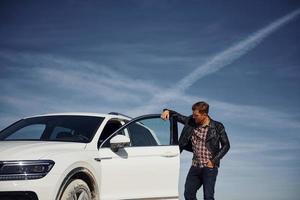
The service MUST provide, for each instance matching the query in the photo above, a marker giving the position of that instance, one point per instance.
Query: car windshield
(53, 128)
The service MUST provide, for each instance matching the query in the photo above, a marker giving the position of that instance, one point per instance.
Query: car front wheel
(77, 190)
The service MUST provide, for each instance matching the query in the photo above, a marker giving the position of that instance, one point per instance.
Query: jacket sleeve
(225, 145)
(179, 117)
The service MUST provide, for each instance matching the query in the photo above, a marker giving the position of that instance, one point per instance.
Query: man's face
(199, 116)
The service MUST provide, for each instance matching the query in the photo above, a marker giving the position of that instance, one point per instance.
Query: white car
(89, 156)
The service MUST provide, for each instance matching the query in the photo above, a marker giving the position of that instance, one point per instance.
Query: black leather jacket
(217, 141)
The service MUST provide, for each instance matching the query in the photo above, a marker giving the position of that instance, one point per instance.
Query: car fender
(73, 171)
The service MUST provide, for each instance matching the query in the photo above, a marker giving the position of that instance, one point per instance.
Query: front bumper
(38, 189)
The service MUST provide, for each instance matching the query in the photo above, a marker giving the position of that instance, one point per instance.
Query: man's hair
(201, 106)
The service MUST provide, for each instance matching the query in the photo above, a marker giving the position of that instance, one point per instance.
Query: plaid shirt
(201, 153)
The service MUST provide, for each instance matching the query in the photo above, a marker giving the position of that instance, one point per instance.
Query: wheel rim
(81, 195)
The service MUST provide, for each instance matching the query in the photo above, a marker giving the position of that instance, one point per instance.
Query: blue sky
(140, 56)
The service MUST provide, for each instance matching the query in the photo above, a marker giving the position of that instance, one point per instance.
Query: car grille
(18, 196)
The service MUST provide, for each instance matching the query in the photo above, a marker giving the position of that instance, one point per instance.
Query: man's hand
(165, 115)
(210, 164)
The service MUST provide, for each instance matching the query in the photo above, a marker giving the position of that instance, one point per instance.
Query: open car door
(141, 160)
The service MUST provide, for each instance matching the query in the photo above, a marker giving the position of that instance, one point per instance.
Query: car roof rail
(116, 113)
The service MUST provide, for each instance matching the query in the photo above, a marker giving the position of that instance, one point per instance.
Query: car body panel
(153, 171)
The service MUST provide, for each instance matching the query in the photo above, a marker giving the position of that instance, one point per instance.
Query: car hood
(32, 150)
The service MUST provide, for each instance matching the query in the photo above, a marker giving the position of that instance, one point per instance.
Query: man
(208, 141)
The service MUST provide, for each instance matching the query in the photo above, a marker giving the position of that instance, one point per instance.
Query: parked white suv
(88, 156)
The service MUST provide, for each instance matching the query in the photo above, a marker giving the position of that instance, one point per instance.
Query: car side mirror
(119, 141)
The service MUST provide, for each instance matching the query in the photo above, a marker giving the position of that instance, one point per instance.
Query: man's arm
(166, 114)
(225, 145)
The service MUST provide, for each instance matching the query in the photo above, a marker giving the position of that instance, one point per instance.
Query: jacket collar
(191, 122)
(212, 130)
(212, 123)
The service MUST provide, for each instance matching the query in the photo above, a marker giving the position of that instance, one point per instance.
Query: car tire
(77, 190)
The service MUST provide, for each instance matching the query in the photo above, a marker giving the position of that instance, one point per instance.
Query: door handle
(103, 158)
(169, 154)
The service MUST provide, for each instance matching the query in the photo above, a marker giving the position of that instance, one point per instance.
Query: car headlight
(24, 170)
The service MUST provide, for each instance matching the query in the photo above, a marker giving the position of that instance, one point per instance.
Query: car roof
(114, 115)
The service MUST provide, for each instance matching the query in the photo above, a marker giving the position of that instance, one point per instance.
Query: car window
(141, 136)
(54, 128)
(149, 132)
(109, 128)
(60, 132)
(34, 131)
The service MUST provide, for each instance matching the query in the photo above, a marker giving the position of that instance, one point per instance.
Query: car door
(148, 167)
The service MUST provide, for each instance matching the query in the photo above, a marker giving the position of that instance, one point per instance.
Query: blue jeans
(196, 178)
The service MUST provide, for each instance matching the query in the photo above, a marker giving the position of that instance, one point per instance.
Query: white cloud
(218, 62)
(233, 53)
(80, 81)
